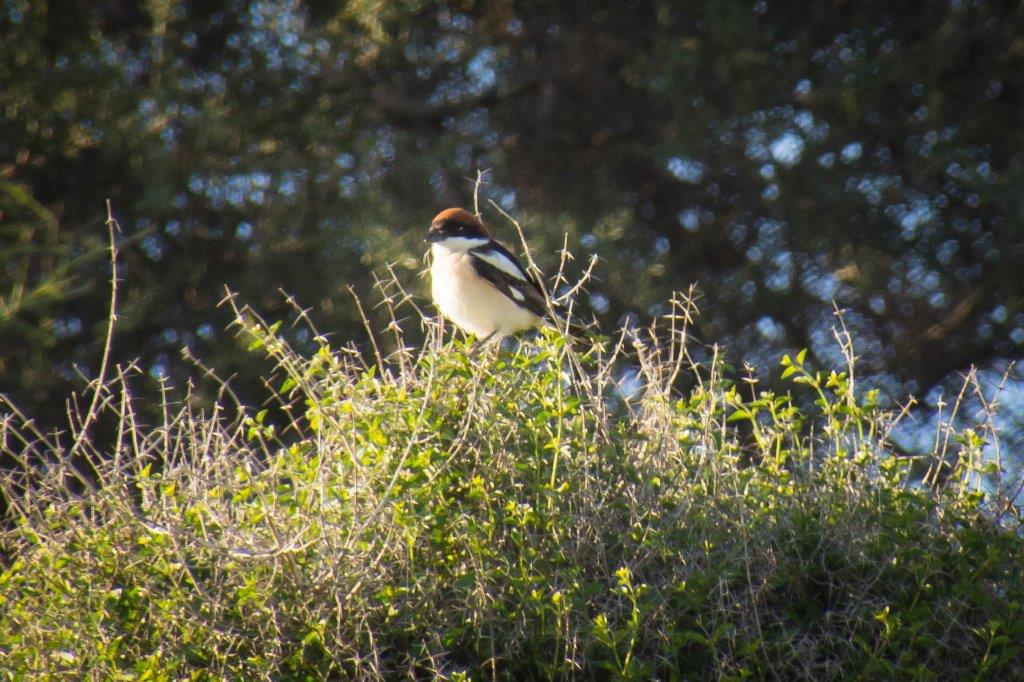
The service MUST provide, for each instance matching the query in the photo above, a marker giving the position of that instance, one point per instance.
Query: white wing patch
(502, 262)
(516, 294)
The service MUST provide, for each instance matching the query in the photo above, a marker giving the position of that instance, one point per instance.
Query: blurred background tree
(781, 154)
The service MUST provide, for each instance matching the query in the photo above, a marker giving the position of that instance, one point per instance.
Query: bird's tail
(575, 331)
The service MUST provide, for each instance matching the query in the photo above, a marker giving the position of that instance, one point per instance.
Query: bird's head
(458, 230)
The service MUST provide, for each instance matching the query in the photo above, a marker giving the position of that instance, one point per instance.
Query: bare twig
(99, 384)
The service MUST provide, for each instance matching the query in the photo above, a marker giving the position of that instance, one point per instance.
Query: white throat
(459, 244)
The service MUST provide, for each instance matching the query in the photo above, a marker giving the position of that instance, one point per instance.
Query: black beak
(433, 236)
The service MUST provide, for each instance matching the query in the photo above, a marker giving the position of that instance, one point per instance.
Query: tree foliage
(780, 154)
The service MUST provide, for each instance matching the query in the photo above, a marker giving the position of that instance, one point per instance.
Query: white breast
(470, 301)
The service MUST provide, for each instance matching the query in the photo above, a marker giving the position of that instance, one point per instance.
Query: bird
(476, 282)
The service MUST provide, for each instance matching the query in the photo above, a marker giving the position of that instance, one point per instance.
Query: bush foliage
(469, 512)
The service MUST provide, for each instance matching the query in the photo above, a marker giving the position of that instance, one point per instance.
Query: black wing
(498, 266)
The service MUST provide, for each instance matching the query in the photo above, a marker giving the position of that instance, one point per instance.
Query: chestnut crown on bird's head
(456, 222)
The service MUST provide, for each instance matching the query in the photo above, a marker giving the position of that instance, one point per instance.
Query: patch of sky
(503, 196)
(158, 370)
(787, 148)
(822, 285)
(153, 247)
(757, 144)
(779, 280)
(804, 120)
(290, 182)
(769, 329)
(768, 228)
(913, 215)
(347, 186)
(939, 300)
(275, 28)
(738, 233)
(689, 218)
(629, 383)
(482, 70)
(851, 152)
(873, 187)
(686, 170)
(64, 327)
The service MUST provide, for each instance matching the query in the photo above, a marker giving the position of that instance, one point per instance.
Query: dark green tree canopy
(783, 155)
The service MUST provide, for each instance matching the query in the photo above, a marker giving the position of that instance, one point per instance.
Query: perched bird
(476, 282)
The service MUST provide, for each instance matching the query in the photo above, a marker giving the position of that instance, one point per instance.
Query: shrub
(467, 512)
